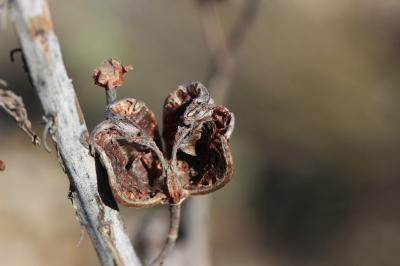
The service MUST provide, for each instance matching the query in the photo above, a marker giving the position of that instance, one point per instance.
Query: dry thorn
(48, 129)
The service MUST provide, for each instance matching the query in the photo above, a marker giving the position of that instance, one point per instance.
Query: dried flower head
(197, 158)
(110, 74)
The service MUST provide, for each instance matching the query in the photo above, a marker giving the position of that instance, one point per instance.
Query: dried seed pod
(175, 106)
(128, 147)
(196, 134)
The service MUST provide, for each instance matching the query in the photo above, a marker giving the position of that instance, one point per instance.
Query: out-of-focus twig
(223, 52)
(3, 14)
(40, 46)
(224, 47)
(172, 235)
(15, 107)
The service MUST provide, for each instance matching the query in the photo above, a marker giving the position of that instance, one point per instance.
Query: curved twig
(175, 215)
(48, 129)
(223, 49)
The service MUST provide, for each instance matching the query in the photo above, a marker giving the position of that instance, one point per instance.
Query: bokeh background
(316, 146)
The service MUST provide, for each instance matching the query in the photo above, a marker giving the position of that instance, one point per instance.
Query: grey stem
(41, 48)
(111, 95)
(175, 216)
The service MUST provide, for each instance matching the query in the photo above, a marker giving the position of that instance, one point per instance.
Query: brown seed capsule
(196, 133)
(128, 147)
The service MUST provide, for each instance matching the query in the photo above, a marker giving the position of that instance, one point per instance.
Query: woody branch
(41, 48)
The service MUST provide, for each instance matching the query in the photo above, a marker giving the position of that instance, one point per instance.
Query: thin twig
(223, 50)
(3, 14)
(243, 24)
(41, 49)
(175, 215)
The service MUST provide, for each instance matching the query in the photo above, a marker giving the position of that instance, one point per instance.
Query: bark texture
(41, 48)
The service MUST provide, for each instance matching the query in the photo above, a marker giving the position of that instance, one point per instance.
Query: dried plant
(197, 157)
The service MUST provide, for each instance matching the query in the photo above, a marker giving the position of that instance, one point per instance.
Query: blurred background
(316, 143)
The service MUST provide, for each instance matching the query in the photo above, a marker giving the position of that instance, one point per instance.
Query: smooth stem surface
(111, 95)
(175, 217)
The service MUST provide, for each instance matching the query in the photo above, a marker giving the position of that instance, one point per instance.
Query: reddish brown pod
(196, 134)
(127, 144)
(197, 158)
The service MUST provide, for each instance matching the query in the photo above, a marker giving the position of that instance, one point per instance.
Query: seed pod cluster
(197, 157)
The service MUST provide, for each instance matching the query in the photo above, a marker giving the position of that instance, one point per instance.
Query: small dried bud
(110, 74)
(2, 166)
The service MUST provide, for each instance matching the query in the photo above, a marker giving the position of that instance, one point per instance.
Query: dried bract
(110, 74)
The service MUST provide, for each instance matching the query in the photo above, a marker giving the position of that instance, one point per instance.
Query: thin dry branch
(41, 49)
(175, 216)
(223, 50)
